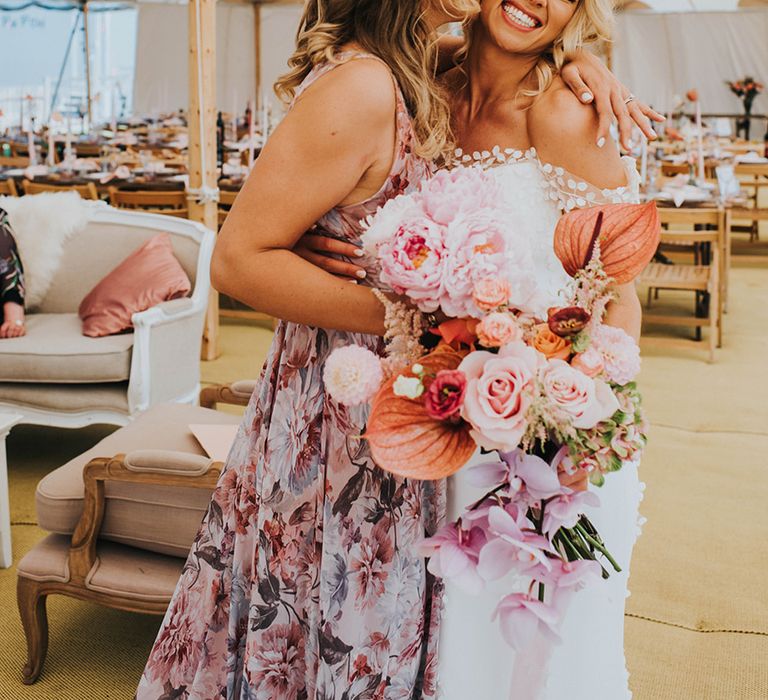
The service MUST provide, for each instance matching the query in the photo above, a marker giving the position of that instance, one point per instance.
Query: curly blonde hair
(592, 22)
(397, 33)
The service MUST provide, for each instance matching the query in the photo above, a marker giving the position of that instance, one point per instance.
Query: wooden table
(7, 421)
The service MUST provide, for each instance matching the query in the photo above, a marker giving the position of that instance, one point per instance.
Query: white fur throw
(41, 225)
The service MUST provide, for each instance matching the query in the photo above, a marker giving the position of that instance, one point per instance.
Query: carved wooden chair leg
(34, 619)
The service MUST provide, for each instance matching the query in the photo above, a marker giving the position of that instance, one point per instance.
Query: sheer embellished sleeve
(570, 192)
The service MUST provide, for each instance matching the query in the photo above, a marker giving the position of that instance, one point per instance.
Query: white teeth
(519, 16)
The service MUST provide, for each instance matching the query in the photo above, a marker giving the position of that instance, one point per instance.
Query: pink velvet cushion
(146, 277)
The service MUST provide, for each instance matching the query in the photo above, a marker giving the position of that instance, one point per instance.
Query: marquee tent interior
(697, 621)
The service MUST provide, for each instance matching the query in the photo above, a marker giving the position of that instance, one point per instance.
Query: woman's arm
(327, 151)
(563, 132)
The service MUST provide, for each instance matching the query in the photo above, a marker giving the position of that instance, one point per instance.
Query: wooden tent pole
(87, 49)
(257, 47)
(202, 139)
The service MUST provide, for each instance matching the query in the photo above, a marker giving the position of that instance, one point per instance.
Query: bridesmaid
(11, 283)
(303, 581)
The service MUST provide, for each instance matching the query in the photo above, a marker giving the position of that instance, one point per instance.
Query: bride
(512, 113)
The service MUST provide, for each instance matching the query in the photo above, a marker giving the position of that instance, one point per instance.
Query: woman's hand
(592, 82)
(324, 252)
(13, 321)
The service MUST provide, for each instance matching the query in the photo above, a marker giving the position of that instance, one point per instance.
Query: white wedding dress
(474, 661)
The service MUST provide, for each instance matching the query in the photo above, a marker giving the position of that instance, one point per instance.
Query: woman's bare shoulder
(564, 132)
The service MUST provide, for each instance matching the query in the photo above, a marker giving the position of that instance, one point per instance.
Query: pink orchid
(516, 547)
(540, 478)
(522, 616)
(454, 554)
(564, 511)
(561, 574)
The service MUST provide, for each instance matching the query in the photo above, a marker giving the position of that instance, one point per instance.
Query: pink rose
(412, 261)
(490, 293)
(590, 362)
(445, 395)
(499, 394)
(498, 329)
(584, 400)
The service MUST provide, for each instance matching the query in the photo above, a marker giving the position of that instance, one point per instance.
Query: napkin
(120, 173)
(751, 157)
(216, 440)
(34, 171)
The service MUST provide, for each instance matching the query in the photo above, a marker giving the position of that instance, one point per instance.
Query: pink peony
(413, 261)
(352, 375)
(498, 329)
(590, 362)
(499, 394)
(585, 401)
(490, 293)
(445, 395)
(621, 354)
(450, 192)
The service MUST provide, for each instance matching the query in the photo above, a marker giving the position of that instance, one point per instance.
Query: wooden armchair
(92, 564)
(86, 191)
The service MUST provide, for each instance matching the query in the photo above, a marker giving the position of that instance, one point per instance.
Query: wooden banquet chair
(13, 162)
(170, 203)
(86, 191)
(130, 508)
(704, 233)
(8, 188)
(754, 180)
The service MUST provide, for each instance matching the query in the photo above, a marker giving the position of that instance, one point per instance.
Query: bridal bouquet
(546, 393)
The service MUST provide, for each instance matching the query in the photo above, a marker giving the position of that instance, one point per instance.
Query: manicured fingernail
(586, 97)
(359, 253)
(601, 142)
(362, 274)
(352, 281)
(654, 135)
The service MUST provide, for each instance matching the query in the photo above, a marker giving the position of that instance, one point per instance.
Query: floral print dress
(304, 580)
(11, 270)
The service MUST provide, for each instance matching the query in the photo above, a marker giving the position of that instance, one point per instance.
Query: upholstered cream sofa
(57, 376)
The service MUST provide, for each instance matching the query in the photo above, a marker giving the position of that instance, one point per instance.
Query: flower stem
(599, 546)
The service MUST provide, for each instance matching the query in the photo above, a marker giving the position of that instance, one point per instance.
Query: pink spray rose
(498, 329)
(445, 395)
(499, 394)
(585, 401)
(590, 361)
(490, 293)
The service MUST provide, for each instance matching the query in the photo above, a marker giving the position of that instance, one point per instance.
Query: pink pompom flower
(352, 375)
(621, 354)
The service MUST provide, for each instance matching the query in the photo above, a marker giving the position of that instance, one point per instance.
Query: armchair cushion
(156, 518)
(54, 350)
(119, 570)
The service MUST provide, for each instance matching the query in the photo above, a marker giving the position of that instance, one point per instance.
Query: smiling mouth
(519, 17)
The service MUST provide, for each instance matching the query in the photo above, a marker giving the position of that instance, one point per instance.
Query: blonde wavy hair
(397, 32)
(592, 22)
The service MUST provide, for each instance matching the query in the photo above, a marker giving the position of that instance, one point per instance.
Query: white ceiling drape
(161, 82)
(663, 55)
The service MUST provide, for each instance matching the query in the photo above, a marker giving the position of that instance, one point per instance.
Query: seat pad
(54, 350)
(161, 519)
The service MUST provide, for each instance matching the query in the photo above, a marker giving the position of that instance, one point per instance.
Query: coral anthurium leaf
(629, 237)
(405, 441)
